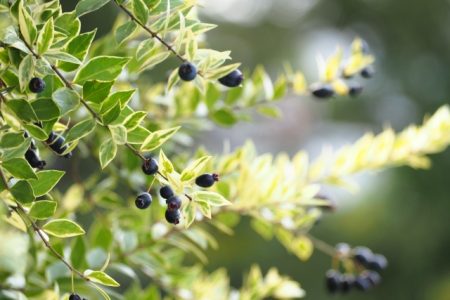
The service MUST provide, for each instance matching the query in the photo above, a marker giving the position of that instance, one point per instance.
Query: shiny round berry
(33, 159)
(187, 71)
(322, 91)
(173, 216)
(166, 192)
(143, 200)
(206, 180)
(362, 255)
(150, 166)
(233, 79)
(173, 203)
(74, 297)
(37, 85)
(332, 281)
(368, 72)
(347, 282)
(378, 262)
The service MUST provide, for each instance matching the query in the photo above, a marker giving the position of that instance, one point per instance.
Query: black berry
(363, 255)
(143, 200)
(33, 159)
(347, 282)
(206, 180)
(173, 216)
(56, 143)
(74, 297)
(233, 79)
(150, 166)
(322, 91)
(368, 72)
(362, 282)
(166, 192)
(378, 262)
(187, 71)
(173, 203)
(373, 277)
(32, 144)
(355, 89)
(332, 281)
(37, 85)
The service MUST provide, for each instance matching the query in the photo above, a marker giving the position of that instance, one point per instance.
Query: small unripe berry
(173, 203)
(33, 159)
(233, 79)
(206, 180)
(143, 200)
(332, 281)
(166, 192)
(150, 166)
(74, 297)
(368, 72)
(355, 89)
(378, 262)
(173, 216)
(37, 85)
(187, 71)
(322, 91)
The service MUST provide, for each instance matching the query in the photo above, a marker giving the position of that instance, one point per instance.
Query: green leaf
(108, 151)
(270, 111)
(22, 192)
(78, 47)
(95, 91)
(36, 131)
(125, 31)
(66, 99)
(103, 68)
(189, 214)
(157, 138)
(26, 25)
(87, 6)
(45, 38)
(26, 70)
(11, 140)
(140, 11)
(166, 164)
(214, 199)
(102, 292)
(222, 71)
(45, 109)
(137, 135)
(19, 168)
(43, 209)
(80, 130)
(101, 277)
(22, 109)
(194, 169)
(133, 120)
(63, 228)
(121, 98)
(224, 117)
(45, 181)
(118, 134)
(62, 56)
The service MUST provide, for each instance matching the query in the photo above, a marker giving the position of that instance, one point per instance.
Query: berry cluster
(188, 71)
(74, 296)
(173, 205)
(361, 267)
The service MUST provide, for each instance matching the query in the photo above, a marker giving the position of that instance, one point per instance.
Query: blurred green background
(402, 213)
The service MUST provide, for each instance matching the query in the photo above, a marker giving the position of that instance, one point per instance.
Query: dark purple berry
(57, 145)
(368, 72)
(332, 281)
(362, 282)
(166, 192)
(355, 89)
(74, 297)
(51, 137)
(378, 262)
(322, 91)
(347, 282)
(187, 71)
(373, 277)
(150, 166)
(362, 255)
(173, 203)
(33, 159)
(233, 79)
(173, 216)
(37, 85)
(206, 180)
(143, 200)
